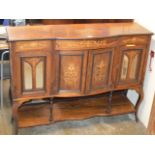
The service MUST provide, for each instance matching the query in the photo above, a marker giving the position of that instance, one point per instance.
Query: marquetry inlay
(131, 58)
(70, 74)
(124, 67)
(134, 39)
(30, 45)
(33, 72)
(84, 44)
(99, 71)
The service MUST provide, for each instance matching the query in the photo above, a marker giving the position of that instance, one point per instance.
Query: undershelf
(73, 109)
(91, 107)
(33, 115)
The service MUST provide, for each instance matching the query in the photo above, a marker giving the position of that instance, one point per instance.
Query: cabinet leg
(10, 95)
(109, 102)
(136, 118)
(124, 92)
(15, 127)
(15, 108)
(51, 110)
(140, 98)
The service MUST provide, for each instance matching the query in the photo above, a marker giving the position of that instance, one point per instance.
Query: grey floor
(116, 125)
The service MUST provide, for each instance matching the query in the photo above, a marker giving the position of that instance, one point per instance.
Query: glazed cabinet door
(70, 72)
(132, 65)
(32, 73)
(99, 74)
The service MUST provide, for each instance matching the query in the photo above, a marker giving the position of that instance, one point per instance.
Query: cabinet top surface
(75, 31)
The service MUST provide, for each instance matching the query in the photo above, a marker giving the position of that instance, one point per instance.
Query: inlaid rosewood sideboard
(75, 71)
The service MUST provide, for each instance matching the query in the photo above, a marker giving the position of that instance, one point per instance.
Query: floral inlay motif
(70, 74)
(99, 71)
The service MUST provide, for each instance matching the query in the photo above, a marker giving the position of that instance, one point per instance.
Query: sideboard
(75, 71)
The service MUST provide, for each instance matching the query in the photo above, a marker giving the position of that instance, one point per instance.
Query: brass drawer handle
(130, 45)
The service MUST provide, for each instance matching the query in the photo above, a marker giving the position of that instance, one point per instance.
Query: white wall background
(149, 82)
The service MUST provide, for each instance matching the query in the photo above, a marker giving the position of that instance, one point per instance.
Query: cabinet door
(131, 65)
(31, 73)
(70, 72)
(99, 72)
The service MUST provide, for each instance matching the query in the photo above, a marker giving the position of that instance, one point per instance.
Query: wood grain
(72, 109)
(75, 31)
(79, 60)
(31, 45)
(90, 107)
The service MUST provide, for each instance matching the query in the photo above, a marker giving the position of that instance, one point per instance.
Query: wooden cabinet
(93, 64)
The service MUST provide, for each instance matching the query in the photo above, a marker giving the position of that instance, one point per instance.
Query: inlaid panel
(71, 70)
(125, 65)
(27, 74)
(134, 65)
(40, 75)
(33, 73)
(99, 71)
(131, 64)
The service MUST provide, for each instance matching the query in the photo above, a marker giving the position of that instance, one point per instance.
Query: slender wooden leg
(140, 98)
(15, 117)
(10, 95)
(15, 108)
(136, 117)
(15, 126)
(51, 110)
(124, 93)
(109, 102)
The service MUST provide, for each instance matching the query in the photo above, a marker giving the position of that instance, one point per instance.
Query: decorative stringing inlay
(70, 75)
(28, 45)
(134, 39)
(84, 44)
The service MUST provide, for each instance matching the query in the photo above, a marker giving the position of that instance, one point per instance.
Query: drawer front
(133, 40)
(31, 45)
(85, 44)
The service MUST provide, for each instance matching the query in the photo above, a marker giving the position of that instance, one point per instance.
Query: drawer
(85, 44)
(31, 45)
(129, 40)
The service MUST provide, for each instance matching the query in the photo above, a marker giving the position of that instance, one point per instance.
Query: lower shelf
(90, 107)
(33, 115)
(74, 109)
